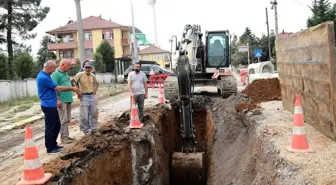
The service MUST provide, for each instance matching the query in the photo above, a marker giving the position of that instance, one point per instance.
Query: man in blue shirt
(47, 94)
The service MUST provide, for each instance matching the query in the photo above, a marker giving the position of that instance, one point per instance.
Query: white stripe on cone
(299, 130)
(29, 143)
(298, 110)
(32, 164)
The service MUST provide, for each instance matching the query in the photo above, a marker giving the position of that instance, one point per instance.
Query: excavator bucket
(188, 168)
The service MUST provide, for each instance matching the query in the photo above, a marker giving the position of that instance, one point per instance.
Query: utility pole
(248, 53)
(268, 37)
(135, 47)
(81, 48)
(274, 4)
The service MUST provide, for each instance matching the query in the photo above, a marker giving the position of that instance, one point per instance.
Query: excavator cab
(217, 49)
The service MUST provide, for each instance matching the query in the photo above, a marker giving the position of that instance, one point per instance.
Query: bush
(3, 67)
(24, 65)
(99, 64)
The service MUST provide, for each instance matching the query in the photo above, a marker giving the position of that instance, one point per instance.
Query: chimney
(100, 16)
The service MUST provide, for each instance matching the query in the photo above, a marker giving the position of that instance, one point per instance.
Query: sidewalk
(106, 92)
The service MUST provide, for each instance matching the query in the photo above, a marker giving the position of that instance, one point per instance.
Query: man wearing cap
(88, 85)
(64, 99)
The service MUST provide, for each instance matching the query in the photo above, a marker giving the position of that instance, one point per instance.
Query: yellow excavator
(198, 64)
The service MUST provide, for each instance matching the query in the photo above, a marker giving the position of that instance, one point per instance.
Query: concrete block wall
(306, 66)
(19, 89)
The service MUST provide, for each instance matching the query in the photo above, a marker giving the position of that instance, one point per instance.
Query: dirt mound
(263, 90)
(245, 106)
(89, 156)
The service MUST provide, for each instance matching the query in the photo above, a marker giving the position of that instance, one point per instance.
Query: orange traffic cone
(299, 138)
(135, 121)
(161, 98)
(33, 171)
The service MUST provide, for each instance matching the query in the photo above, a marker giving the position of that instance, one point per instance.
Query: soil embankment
(236, 152)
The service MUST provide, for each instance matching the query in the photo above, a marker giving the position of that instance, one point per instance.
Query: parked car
(147, 68)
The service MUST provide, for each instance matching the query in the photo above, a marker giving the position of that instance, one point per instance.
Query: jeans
(88, 113)
(65, 117)
(52, 127)
(139, 101)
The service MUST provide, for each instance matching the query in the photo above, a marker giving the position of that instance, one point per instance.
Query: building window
(66, 54)
(89, 52)
(167, 57)
(145, 57)
(107, 35)
(158, 57)
(88, 36)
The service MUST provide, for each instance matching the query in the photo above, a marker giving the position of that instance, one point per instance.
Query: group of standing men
(55, 91)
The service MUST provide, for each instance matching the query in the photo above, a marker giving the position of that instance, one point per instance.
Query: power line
(300, 3)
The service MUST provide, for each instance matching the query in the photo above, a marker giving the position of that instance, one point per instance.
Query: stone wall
(306, 66)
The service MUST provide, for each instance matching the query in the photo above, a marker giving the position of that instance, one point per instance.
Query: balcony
(124, 41)
(62, 45)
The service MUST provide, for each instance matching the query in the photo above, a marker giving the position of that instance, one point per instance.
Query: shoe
(59, 147)
(66, 140)
(71, 138)
(54, 151)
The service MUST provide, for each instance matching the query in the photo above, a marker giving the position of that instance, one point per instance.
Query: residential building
(153, 53)
(95, 30)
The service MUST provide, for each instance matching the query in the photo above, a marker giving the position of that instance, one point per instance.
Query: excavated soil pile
(234, 151)
(264, 90)
(261, 90)
(107, 159)
(104, 159)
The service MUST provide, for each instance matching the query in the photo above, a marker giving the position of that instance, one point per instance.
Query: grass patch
(9, 117)
(22, 118)
(22, 108)
(17, 102)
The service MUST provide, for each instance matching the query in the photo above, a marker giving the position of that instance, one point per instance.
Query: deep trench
(233, 154)
(203, 131)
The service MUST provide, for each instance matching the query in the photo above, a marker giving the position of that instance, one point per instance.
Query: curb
(33, 119)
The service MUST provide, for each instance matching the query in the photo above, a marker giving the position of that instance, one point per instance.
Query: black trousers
(140, 102)
(52, 127)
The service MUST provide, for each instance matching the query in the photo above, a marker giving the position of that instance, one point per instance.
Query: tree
(322, 11)
(43, 53)
(22, 17)
(2, 29)
(99, 64)
(3, 67)
(107, 53)
(24, 65)
(241, 57)
(75, 68)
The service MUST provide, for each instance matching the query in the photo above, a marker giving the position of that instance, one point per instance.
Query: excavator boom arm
(185, 74)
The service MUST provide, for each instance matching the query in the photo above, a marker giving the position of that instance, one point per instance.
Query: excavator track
(171, 90)
(227, 85)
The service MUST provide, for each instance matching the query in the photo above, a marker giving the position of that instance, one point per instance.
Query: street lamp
(171, 50)
(135, 47)
(81, 48)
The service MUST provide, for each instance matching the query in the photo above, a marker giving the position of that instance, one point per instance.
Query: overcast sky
(172, 15)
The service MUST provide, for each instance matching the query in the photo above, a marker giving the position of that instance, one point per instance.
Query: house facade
(153, 53)
(95, 30)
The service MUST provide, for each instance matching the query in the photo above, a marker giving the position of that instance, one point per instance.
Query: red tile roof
(89, 23)
(153, 50)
